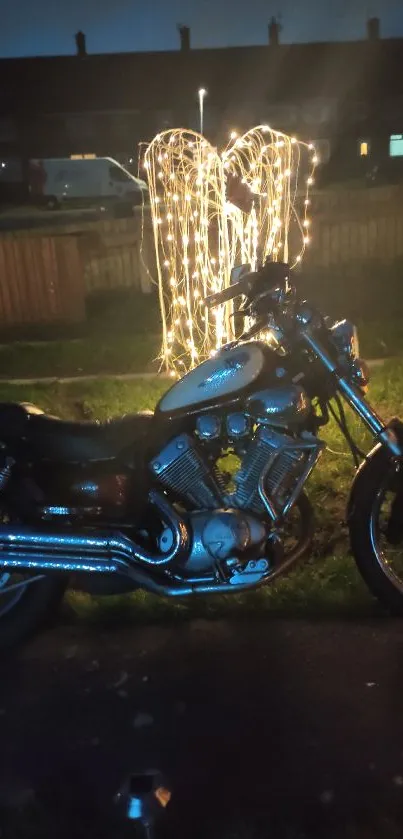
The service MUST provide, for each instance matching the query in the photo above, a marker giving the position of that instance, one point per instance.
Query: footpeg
(251, 574)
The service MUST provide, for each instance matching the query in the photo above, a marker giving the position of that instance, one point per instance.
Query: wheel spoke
(12, 588)
(22, 584)
(389, 553)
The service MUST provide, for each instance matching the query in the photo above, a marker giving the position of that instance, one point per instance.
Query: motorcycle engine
(227, 523)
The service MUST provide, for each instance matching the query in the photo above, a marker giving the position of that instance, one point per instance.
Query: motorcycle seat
(50, 438)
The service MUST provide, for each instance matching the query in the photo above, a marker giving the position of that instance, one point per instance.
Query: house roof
(162, 80)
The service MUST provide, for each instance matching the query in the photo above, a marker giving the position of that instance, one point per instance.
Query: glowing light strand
(199, 233)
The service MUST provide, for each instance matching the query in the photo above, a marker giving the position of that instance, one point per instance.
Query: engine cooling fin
(182, 470)
(283, 462)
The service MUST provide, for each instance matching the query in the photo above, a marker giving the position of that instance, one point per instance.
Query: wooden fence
(118, 254)
(351, 228)
(45, 275)
(115, 253)
(41, 280)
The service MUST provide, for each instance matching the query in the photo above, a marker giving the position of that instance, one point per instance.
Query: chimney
(373, 29)
(274, 32)
(80, 44)
(184, 34)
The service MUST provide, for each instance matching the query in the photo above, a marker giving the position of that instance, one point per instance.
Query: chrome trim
(355, 398)
(22, 547)
(59, 563)
(123, 560)
(316, 448)
(283, 406)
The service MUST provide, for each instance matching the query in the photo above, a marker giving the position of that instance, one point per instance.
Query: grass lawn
(326, 585)
(134, 351)
(121, 335)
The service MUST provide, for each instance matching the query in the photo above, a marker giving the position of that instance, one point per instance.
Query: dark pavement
(275, 729)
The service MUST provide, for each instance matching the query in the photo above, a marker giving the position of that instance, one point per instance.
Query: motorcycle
(144, 500)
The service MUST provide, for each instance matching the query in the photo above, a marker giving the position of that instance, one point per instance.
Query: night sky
(47, 27)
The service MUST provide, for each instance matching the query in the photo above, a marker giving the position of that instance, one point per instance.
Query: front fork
(386, 434)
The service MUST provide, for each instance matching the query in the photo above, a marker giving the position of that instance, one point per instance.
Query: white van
(94, 181)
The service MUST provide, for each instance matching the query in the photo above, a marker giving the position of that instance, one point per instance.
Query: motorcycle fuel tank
(229, 372)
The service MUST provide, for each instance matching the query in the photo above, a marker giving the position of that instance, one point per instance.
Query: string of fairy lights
(201, 229)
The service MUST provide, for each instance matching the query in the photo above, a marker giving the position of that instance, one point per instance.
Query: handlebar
(244, 286)
(271, 276)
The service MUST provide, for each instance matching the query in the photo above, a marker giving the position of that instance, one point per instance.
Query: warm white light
(202, 233)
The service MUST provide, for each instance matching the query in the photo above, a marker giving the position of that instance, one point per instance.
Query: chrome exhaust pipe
(109, 553)
(26, 549)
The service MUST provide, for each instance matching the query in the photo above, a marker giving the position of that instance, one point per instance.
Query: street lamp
(202, 94)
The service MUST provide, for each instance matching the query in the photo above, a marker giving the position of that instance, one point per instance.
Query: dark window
(322, 148)
(117, 174)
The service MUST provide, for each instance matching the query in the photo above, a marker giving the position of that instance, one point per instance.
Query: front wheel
(25, 603)
(375, 522)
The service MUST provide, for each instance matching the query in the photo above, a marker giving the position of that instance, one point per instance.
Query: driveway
(275, 729)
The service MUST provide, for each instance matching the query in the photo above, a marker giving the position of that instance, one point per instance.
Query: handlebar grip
(242, 287)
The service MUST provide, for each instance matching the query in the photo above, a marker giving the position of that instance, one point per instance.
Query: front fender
(379, 451)
(360, 477)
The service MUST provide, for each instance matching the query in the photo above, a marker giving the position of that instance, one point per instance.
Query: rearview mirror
(238, 272)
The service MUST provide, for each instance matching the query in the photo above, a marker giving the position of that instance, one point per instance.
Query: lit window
(364, 148)
(396, 145)
(82, 156)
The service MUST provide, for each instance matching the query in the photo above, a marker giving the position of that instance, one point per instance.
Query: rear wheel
(25, 603)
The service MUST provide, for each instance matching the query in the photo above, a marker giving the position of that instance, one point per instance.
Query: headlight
(345, 337)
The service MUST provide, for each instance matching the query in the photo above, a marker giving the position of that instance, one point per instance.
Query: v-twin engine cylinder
(181, 469)
(272, 472)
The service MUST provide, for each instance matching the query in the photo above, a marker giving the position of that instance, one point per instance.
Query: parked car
(93, 181)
